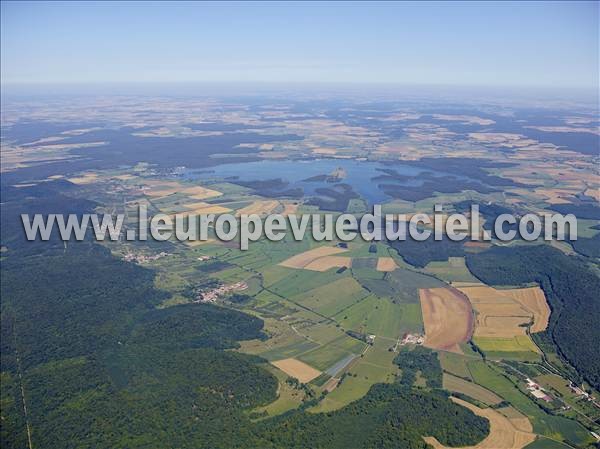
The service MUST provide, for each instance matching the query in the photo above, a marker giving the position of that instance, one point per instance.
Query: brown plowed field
(448, 318)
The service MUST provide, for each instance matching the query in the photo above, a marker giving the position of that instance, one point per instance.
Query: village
(211, 296)
(142, 258)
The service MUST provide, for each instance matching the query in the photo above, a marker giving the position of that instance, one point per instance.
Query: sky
(542, 44)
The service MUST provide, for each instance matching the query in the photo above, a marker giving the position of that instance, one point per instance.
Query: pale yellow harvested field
(499, 326)
(160, 192)
(197, 205)
(386, 264)
(212, 209)
(87, 178)
(556, 196)
(160, 188)
(501, 313)
(534, 300)
(200, 193)
(520, 421)
(503, 433)
(327, 262)
(194, 243)
(204, 210)
(303, 259)
(165, 188)
(448, 318)
(481, 293)
(260, 207)
(295, 368)
(328, 151)
(125, 177)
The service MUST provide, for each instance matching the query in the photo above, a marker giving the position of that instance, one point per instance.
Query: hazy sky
(516, 44)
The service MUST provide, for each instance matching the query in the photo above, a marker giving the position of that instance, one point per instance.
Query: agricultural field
(504, 318)
(452, 270)
(305, 258)
(534, 300)
(386, 264)
(447, 317)
(329, 262)
(455, 364)
(458, 385)
(297, 369)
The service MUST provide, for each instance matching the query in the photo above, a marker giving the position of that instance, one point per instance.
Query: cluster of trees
(421, 360)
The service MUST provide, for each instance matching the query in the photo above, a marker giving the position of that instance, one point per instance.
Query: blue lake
(359, 174)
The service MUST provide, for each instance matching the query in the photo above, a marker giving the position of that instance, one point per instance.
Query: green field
(406, 284)
(455, 364)
(545, 443)
(381, 317)
(297, 282)
(333, 297)
(326, 356)
(288, 397)
(373, 367)
(452, 270)
(458, 385)
(518, 343)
